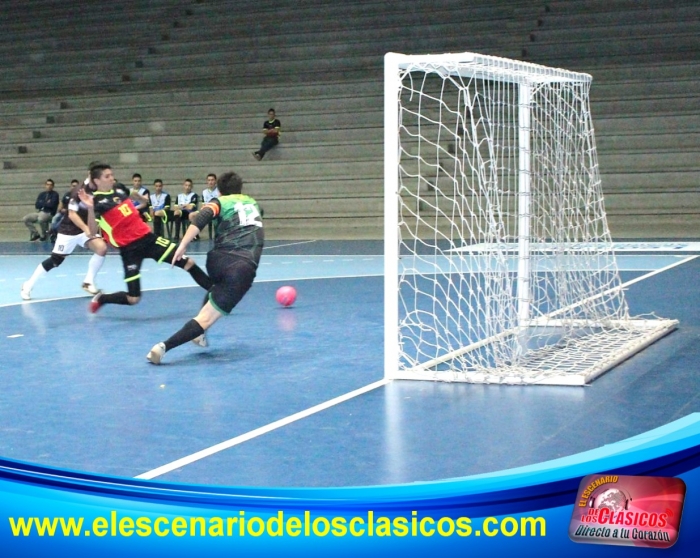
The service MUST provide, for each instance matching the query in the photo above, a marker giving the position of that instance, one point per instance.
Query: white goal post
(499, 264)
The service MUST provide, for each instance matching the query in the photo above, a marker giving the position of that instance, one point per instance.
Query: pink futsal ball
(286, 295)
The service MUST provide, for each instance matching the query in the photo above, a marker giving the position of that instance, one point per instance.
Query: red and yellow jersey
(118, 218)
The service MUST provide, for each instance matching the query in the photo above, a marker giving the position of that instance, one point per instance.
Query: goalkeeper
(231, 264)
(271, 131)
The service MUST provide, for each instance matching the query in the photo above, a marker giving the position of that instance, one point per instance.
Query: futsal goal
(499, 264)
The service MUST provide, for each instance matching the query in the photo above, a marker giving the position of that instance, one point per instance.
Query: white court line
(167, 468)
(290, 244)
(657, 271)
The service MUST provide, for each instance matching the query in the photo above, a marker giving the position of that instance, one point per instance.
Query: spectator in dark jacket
(46, 206)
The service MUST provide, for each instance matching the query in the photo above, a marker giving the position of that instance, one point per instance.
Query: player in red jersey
(123, 228)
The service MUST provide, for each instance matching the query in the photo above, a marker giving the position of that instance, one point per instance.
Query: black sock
(115, 298)
(188, 332)
(201, 278)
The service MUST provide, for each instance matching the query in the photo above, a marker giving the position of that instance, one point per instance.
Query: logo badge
(628, 511)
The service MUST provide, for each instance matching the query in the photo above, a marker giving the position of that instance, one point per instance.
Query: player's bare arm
(190, 233)
(142, 201)
(85, 198)
(204, 216)
(78, 222)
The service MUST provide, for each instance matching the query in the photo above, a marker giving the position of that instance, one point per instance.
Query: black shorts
(232, 277)
(150, 246)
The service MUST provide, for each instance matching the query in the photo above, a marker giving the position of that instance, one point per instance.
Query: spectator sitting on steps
(46, 206)
(271, 131)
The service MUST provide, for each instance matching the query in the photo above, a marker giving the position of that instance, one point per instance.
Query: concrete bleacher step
(203, 140)
(260, 29)
(681, 122)
(646, 106)
(194, 155)
(42, 53)
(675, 159)
(554, 25)
(661, 178)
(274, 92)
(656, 226)
(28, 107)
(269, 170)
(648, 142)
(214, 74)
(28, 86)
(586, 7)
(644, 89)
(328, 46)
(669, 70)
(185, 125)
(334, 187)
(655, 49)
(300, 207)
(349, 227)
(141, 131)
(201, 117)
(302, 106)
(57, 62)
(660, 202)
(80, 17)
(316, 56)
(665, 23)
(276, 15)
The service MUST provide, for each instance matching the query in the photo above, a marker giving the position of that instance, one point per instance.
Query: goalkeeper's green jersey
(238, 225)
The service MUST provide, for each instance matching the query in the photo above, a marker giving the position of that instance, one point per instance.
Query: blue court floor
(295, 396)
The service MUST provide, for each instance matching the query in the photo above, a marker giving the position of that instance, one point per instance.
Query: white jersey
(208, 195)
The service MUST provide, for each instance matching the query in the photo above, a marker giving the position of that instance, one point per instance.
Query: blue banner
(524, 512)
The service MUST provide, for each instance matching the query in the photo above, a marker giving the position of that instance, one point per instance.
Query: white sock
(93, 267)
(38, 272)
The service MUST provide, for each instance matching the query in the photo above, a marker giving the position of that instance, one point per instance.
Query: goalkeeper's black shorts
(232, 277)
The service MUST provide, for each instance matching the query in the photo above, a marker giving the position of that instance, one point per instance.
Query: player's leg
(44, 220)
(267, 143)
(177, 220)
(163, 252)
(192, 330)
(131, 260)
(185, 222)
(53, 228)
(63, 247)
(158, 222)
(99, 249)
(54, 260)
(30, 222)
(232, 277)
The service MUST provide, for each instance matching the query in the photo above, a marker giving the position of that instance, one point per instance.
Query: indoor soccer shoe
(201, 341)
(25, 293)
(155, 355)
(95, 304)
(92, 289)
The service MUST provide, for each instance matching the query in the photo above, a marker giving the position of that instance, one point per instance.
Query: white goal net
(499, 260)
